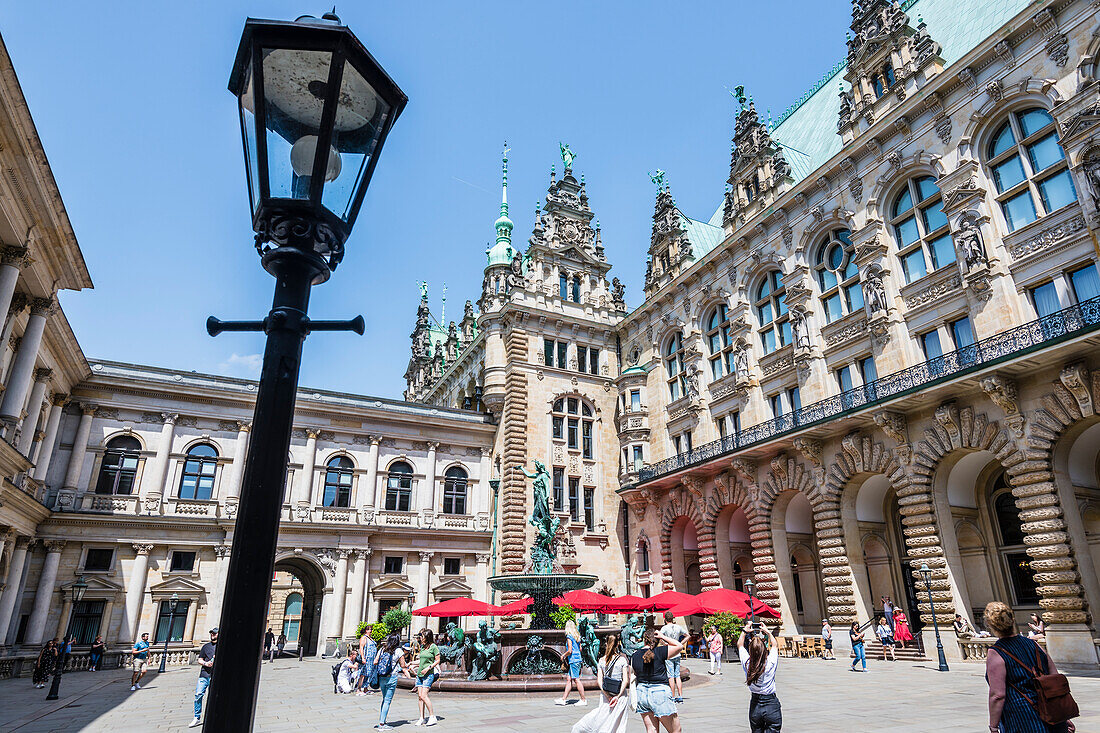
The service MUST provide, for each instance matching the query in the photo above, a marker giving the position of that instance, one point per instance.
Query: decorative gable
(182, 586)
(759, 171)
(669, 249)
(393, 588)
(888, 59)
(452, 588)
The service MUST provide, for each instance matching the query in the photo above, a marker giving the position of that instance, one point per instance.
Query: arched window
(454, 491)
(738, 577)
(643, 557)
(674, 367)
(920, 228)
(399, 487)
(197, 481)
(1028, 168)
(338, 481)
(1011, 546)
(838, 276)
(771, 312)
(718, 341)
(571, 418)
(292, 616)
(118, 471)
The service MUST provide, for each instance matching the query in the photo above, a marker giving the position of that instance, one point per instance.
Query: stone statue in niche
(1092, 174)
(515, 270)
(691, 377)
(798, 328)
(741, 360)
(874, 290)
(969, 241)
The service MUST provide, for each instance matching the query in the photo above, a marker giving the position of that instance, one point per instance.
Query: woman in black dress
(43, 667)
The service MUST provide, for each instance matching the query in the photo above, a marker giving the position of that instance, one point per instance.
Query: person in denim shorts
(673, 630)
(426, 673)
(654, 696)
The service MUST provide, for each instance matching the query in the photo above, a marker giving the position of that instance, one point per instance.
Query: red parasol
(456, 607)
(724, 600)
(509, 609)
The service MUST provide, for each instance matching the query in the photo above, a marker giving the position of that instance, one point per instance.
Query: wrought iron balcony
(1013, 343)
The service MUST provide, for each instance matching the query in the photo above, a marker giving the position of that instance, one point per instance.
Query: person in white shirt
(674, 631)
(349, 670)
(760, 660)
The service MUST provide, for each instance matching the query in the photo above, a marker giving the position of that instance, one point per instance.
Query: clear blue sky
(130, 101)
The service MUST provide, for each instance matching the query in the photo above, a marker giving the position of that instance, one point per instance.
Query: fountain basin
(543, 588)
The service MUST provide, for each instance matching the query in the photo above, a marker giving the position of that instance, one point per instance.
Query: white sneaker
(559, 701)
(431, 720)
(419, 721)
(582, 703)
(194, 723)
(133, 687)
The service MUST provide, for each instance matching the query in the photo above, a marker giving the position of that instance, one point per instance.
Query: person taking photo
(756, 648)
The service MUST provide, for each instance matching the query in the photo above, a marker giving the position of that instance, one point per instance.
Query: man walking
(676, 632)
(888, 612)
(269, 640)
(206, 662)
(140, 655)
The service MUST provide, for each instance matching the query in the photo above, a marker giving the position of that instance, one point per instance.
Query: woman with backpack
(1014, 671)
(613, 677)
(389, 662)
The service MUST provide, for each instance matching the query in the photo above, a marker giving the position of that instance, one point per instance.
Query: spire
(501, 253)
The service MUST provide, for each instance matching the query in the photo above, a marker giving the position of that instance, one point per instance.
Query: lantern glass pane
(295, 88)
(360, 114)
(247, 104)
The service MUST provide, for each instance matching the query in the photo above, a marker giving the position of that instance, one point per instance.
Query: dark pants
(765, 715)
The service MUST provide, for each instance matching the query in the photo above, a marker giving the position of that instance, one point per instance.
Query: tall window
(197, 481)
(559, 489)
(590, 509)
(838, 276)
(338, 475)
(920, 228)
(454, 491)
(119, 469)
(1011, 547)
(399, 487)
(1028, 168)
(674, 367)
(574, 498)
(86, 619)
(292, 616)
(771, 312)
(576, 416)
(170, 623)
(718, 342)
(576, 289)
(563, 285)
(1085, 283)
(639, 460)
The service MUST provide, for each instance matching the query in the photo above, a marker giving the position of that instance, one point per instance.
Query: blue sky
(130, 101)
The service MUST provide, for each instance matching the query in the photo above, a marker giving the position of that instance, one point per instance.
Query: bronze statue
(486, 652)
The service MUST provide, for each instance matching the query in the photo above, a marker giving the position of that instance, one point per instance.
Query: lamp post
(315, 109)
(749, 585)
(172, 603)
(926, 576)
(412, 600)
(77, 589)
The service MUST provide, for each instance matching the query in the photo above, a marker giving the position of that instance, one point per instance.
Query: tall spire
(501, 253)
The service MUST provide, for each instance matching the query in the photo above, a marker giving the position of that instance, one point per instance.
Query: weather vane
(658, 178)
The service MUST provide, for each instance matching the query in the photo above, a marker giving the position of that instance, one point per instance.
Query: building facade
(878, 353)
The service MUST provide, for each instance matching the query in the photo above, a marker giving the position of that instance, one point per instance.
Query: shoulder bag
(610, 685)
(1052, 699)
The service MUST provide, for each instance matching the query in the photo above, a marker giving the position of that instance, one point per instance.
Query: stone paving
(816, 696)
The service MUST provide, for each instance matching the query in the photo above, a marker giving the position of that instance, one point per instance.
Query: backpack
(1052, 700)
(336, 677)
(385, 664)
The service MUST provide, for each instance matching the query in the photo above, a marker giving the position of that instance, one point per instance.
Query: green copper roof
(809, 135)
(703, 236)
(501, 253)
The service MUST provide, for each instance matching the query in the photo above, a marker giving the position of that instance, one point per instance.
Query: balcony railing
(1046, 331)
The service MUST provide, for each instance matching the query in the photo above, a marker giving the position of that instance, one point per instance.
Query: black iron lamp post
(77, 589)
(412, 600)
(749, 586)
(315, 110)
(173, 602)
(926, 576)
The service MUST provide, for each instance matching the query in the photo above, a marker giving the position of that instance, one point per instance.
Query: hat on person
(214, 630)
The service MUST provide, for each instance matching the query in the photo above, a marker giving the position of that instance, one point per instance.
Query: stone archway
(312, 581)
(676, 513)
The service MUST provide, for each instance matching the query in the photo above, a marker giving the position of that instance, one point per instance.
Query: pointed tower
(418, 373)
(505, 264)
(759, 171)
(670, 250)
(888, 60)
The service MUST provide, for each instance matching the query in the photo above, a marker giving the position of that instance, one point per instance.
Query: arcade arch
(733, 549)
(297, 576)
(792, 539)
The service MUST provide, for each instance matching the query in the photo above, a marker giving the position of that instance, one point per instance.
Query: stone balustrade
(22, 665)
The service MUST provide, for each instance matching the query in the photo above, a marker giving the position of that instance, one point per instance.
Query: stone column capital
(42, 374)
(244, 426)
(432, 446)
(483, 558)
(312, 433)
(42, 306)
(54, 545)
(23, 542)
(169, 418)
(58, 399)
(343, 553)
(222, 550)
(486, 451)
(141, 548)
(375, 440)
(88, 408)
(14, 257)
(426, 556)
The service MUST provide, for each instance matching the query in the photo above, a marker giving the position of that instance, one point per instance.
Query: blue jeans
(95, 660)
(861, 656)
(200, 690)
(388, 685)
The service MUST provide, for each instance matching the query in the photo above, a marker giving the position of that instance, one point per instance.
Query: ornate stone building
(879, 352)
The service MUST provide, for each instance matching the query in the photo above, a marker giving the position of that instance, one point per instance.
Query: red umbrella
(673, 598)
(586, 600)
(456, 607)
(637, 603)
(509, 609)
(724, 600)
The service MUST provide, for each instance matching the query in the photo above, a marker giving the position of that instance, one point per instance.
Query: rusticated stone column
(514, 495)
(765, 574)
(836, 570)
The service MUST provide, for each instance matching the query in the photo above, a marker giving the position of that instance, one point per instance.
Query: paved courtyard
(816, 695)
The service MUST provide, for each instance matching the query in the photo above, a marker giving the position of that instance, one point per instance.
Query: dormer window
(888, 75)
(876, 84)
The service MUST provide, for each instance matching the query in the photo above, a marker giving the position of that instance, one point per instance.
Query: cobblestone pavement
(816, 696)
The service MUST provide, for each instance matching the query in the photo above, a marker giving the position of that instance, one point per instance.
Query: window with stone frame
(674, 367)
(771, 312)
(118, 472)
(455, 485)
(399, 487)
(921, 232)
(718, 341)
(1028, 167)
(98, 559)
(1011, 546)
(837, 275)
(197, 481)
(338, 476)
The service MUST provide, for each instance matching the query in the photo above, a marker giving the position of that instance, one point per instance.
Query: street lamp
(926, 576)
(77, 591)
(172, 603)
(749, 585)
(412, 600)
(315, 109)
